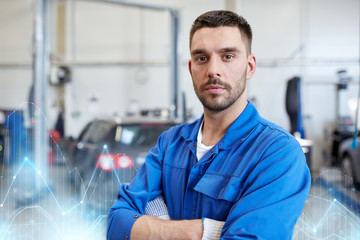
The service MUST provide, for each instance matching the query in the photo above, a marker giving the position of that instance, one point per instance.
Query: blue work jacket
(255, 179)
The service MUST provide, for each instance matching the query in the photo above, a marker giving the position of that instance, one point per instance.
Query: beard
(220, 102)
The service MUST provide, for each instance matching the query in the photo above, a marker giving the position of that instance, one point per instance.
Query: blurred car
(350, 160)
(109, 153)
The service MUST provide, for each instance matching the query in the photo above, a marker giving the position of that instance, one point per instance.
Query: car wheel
(348, 170)
(85, 195)
(357, 185)
(76, 180)
(86, 191)
(90, 195)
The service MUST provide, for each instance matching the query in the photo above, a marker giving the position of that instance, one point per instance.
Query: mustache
(216, 81)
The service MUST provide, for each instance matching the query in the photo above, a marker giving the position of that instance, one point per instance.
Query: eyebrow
(224, 50)
(230, 49)
(197, 51)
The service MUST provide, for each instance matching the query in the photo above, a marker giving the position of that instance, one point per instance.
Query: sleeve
(157, 208)
(274, 196)
(132, 198)
(212, 229)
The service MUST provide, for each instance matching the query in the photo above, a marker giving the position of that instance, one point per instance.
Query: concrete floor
(55, 211)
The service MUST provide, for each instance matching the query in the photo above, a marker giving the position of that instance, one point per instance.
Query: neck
(217, 123)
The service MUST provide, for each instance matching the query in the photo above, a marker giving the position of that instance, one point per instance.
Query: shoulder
(280, 154)
(277, 133)
(274, 129)
(273, 143)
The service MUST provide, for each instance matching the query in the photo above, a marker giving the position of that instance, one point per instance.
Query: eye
(228, 57)
(201, 59)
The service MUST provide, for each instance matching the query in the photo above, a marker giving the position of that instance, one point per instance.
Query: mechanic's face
(220, 67)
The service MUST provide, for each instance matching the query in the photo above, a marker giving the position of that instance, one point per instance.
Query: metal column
(175, 62)
(41, 66)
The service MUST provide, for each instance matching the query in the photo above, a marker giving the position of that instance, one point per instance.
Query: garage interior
(64, 63)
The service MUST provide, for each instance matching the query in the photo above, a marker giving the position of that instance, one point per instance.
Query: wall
(16, 18)
(311, 39)
(108, 39)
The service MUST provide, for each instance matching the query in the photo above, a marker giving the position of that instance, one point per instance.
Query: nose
(214, 68)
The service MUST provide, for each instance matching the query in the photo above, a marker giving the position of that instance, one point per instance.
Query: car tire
(86, 192)
(85, 197)
(347, 167)
(357, 185)
(76, 180)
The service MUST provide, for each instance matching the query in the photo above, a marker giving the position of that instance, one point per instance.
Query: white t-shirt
(201, 148)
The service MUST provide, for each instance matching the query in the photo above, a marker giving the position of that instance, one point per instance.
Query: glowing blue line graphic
(14, 222)
(28, 162)
(325, 217)
(60, 214)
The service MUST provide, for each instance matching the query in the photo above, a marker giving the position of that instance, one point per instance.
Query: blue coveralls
(255, 179)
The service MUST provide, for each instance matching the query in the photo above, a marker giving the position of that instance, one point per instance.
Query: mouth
(215, 89)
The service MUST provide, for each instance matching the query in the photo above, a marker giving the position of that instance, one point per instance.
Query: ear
(251, 67)
(189, 65)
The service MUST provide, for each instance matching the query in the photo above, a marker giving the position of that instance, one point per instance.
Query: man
(230, 165)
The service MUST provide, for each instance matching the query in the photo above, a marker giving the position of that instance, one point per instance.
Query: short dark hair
(221, 18)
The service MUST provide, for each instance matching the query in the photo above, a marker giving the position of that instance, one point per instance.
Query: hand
(148, 227)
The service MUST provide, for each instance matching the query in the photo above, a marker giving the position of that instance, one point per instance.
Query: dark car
(109, 153)
(350, 160)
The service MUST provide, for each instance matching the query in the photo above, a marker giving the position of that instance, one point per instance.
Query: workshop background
(113, 58)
